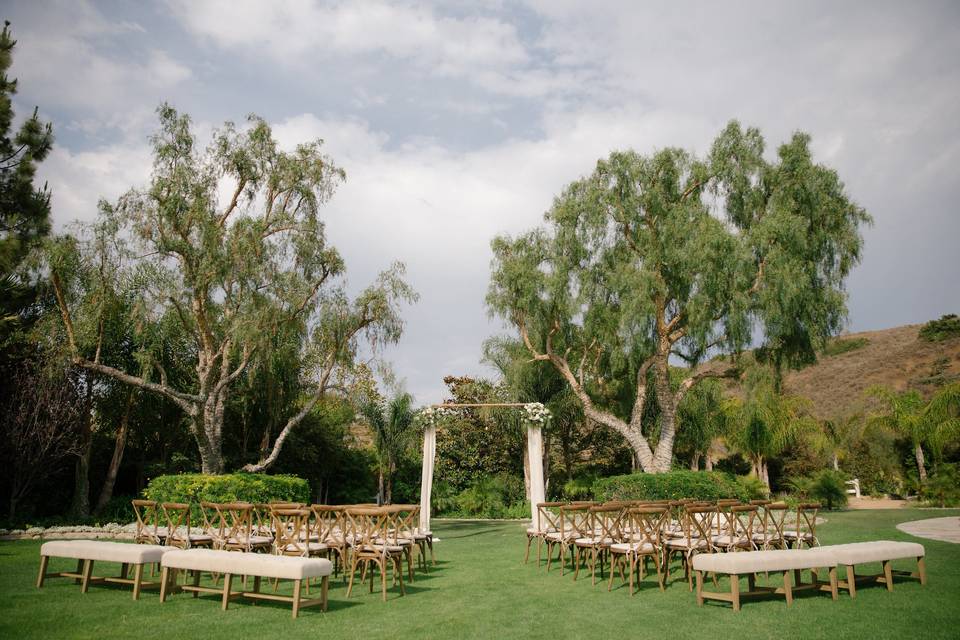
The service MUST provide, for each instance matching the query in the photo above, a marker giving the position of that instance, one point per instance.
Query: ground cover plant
(481, 589)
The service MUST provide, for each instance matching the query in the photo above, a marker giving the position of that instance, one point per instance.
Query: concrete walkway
(943, 529)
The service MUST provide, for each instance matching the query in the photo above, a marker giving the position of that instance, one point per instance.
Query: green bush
(829, 489)
(839, 346)
(498, 496)
(674, 485)
(946, 327)
(753, 487)
(245, 487)
(943, 488)
(579, 487)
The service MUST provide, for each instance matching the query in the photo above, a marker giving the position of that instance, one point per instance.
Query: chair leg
(526, 556)
(353, 572)
(383, 579)
(43, 570)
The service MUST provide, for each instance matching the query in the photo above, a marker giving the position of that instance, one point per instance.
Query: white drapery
(535, 458)
(426, 474)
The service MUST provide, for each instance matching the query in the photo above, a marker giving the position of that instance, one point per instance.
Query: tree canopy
(221, 279)
(677, 256)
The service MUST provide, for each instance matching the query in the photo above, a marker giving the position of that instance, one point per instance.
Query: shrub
(245, 487)
(801, 487)
(753, 487)
(498, 496)
(829, 489)
(579, 487)
(946, 327)
(943, 488)
(674, 485)
(839, 346)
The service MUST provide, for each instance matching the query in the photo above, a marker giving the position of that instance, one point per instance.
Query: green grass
(481, 589)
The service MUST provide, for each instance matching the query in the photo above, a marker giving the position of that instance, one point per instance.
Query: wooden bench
(86, 552)
(235, 563)
(750, 563)
(882, 551)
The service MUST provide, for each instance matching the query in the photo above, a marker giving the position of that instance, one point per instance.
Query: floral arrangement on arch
(536, 412)
(432, 416)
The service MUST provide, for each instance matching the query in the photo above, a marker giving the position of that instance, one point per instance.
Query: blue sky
(456, 122)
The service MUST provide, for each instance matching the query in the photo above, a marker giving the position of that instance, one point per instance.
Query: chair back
(648, 526)
(549, 513)
(289, 526)
(367, 528)
(699, 522)
(605, 522)
(328, 523)
(148, 522)
(575, 520)
(177, 517)
(807, 522)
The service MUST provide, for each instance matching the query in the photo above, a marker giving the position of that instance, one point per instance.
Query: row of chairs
(630, 534)
(356, 537)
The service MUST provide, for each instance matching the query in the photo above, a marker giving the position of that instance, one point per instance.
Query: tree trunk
(380, 486)
(765, 474)
(388, 496)
(695, 462)
(921, 470)
(663, 456)
(106, 493)
(836, 462)
(708, 462)
(80, 507)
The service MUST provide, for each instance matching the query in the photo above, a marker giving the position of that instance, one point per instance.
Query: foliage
(493, 497)
(393, 427)
(943, 488)
(829, 489)
(674, 255)
(753, 487)
(701, 419)
(24, 209)
(801, 487)
(674, 485)
(947, 327)
(195, 488)
(839, 346)
(231, 275)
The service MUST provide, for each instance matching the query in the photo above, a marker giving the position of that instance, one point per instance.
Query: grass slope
(481, 589)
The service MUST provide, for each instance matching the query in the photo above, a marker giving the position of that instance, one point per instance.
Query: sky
(456, 122)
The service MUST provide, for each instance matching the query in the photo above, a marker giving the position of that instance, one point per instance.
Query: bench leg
(324, 587)
(888, 575)
(852, 581)
(138, 580)
(296, 598)
(833, 582)
(787, 589)
(922, 570)
(227, 581)
(79, 571)
(43, 570)
(196, 583)
(124, 568)
(734, 591)
(164, 579)
(87, 570)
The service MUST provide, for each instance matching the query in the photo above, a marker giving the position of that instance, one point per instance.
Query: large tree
(675, 256)
(232, 272)
(24, 208)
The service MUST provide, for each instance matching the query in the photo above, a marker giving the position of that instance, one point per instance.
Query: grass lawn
(481, 589)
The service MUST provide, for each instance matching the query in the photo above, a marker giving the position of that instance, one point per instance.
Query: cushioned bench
(882, 551)
(750, 563)
(86, 552)
(235, 563)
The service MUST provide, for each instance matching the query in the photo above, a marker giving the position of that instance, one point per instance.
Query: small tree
(231, 274)
(701, 420)
(904, 413)
(653, 258)
(40, 428)
(393, 426)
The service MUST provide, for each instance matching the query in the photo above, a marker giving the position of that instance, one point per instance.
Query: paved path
(943, 529)
(875, 503)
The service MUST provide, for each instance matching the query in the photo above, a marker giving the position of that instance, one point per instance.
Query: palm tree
(904, 413)
(836, 438)
(393, 426)
(766, 422)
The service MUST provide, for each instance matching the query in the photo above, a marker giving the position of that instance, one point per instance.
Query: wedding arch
(535, 416)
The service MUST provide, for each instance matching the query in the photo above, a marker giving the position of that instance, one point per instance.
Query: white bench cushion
(250, 564)
(875, 551)
(760, 561)
(105, 551)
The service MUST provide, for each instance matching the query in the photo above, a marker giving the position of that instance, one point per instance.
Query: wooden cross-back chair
(803, 530)
(179, 530)
(368, 530)
(736, 528)
(148, 530)
(330, 529)
(602, 530)
(292, 530)
(399, 533)
(697, 525)
(768, 530)
(573, 522)
(408, 526)
(647, 527)
(237, 528)
(549, 521)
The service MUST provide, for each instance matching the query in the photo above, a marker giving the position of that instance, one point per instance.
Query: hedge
(674, 485)
(244, 487)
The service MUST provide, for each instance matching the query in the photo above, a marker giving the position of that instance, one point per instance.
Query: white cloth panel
(426, 475)
(535, 453)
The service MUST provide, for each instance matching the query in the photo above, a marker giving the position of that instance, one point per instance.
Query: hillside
(895, 357)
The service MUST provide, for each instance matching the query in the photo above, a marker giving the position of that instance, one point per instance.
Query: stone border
(941, 529)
